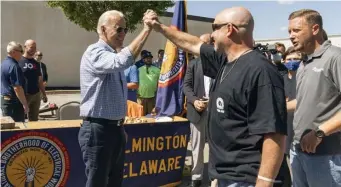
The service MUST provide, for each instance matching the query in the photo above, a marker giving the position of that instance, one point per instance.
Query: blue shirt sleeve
(134, 75)
(16, 76)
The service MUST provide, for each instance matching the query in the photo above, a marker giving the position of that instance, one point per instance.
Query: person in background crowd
(35, 90)
(315, 156)
(196, 89)
(280, 47)
(158, 61)
(13, 100)
(140, 62)
(292, 62)
(132, 77)
(149, 77)
(247, 112)
(277, 59)
(43, 70)
(102, 137)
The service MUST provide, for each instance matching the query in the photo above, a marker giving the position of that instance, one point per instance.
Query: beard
(31, 53)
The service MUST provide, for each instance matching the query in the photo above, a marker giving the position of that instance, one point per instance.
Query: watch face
(319, 134)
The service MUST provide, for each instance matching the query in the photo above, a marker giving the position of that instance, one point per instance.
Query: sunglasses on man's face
(21, 51)
(217, 26)
(120, 29)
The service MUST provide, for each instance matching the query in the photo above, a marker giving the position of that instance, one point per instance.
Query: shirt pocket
(221, 119)
(221, 105)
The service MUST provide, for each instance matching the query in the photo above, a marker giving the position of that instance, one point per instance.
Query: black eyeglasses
(217, 26)
(120, 29)
(21, 51)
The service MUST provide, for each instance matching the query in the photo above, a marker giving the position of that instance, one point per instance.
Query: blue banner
(170, 98)
(155, 156)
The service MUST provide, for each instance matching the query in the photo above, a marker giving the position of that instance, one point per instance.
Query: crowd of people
(142, 80)
(270, 120)
(23, 81)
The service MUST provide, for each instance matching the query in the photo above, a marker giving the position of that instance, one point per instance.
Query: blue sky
(271, 17)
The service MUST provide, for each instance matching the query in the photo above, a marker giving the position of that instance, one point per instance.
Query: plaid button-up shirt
(102, 81)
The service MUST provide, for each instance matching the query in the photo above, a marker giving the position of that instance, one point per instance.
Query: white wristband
(268, 180)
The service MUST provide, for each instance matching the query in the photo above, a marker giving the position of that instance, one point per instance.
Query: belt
(104, 121)
(8, 98)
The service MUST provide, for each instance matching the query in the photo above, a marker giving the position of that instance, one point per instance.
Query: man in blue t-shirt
(13, 101)
(35, 90)
(132, 77)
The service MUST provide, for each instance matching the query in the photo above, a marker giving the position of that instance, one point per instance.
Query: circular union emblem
(34, 159)
(220, 103)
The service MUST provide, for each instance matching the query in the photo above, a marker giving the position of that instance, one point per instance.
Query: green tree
(86, 13)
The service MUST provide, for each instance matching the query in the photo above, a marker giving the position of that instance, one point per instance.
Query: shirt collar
(12, 59)
(319, 52)
(104, 44)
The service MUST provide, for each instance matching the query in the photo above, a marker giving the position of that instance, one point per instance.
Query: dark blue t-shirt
(31, 70)
(11, 75)
(139, 63)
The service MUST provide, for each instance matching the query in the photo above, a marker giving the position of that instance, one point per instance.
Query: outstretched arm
(183, 40)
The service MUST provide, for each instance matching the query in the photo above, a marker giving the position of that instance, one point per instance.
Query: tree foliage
(86, 13)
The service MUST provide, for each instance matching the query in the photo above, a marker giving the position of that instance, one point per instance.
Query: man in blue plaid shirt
(102, 137)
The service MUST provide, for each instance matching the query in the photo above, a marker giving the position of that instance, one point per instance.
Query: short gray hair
(13, 46)
(103, 19)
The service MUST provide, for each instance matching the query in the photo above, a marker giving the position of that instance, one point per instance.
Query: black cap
(146, 54)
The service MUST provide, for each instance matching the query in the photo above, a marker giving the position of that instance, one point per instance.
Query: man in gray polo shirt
(316, 151)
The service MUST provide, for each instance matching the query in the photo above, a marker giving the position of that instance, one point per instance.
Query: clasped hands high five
(151, 21)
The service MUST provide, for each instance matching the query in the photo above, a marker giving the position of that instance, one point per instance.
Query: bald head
(233, 31)
(30, 48)
(206, 38)
(239, 16)
(30, 42)
(38, 56)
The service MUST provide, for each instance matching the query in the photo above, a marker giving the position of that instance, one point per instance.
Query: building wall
(63, 42)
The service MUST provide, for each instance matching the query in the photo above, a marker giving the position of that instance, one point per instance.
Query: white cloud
(285, 2)
(284, 28)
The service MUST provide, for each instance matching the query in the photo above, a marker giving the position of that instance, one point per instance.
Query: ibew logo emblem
(220, 105)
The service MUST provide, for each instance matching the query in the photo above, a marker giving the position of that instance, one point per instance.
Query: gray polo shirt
(318, 95)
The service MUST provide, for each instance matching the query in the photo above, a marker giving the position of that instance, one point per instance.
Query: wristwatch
(319, 133)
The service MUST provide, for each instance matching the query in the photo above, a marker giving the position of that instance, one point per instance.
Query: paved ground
(62, 98)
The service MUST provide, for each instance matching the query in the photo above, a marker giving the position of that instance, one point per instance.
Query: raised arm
(183, 40)
(106, 61)
(136, 45)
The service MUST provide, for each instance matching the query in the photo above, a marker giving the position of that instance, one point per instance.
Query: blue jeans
(103, 146)
(315, 170)
(227, 183)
